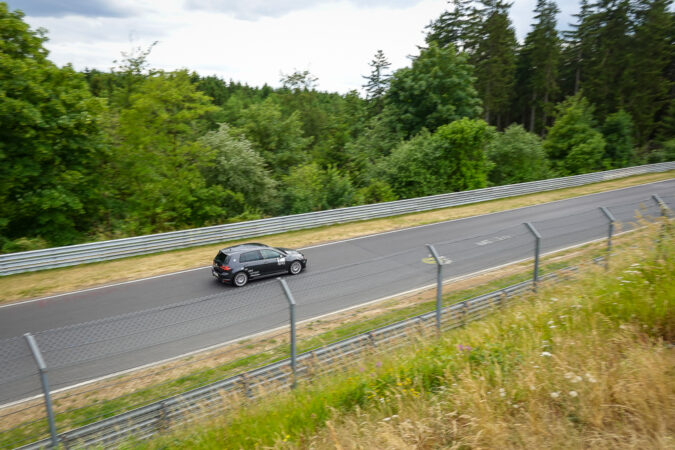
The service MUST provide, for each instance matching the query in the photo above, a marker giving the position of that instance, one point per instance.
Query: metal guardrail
(121, 248)
(209, 401)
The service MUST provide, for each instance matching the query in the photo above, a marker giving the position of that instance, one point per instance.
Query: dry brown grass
(557, 372)
(623, 400)
(31, 285)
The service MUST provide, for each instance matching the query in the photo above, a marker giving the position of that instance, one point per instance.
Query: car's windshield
(222, 258)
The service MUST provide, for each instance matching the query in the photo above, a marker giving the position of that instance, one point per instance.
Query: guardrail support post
(439, 286)
(610, 232)
(45, 386)
(537, 248)
(291, 305)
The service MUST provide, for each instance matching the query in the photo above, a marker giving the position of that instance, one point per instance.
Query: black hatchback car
(244, 262)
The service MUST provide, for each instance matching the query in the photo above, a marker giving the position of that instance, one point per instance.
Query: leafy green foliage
(51, 140)
(143, 150)
(279, 139)
(310, 188)
(573, 144)
(231, 163)
(517, 156)
(452, 159)
(618, 134)
(158, 158)
(436, 90)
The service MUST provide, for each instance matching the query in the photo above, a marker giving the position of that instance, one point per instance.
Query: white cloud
(256, 9)
(335, 40)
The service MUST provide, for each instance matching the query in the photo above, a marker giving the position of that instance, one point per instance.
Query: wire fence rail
(209, 401)
(66, 351)
(121, 248)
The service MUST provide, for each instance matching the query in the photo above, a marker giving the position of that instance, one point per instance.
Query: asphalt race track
(339, 275)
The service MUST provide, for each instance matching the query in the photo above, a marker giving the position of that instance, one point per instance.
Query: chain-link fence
(157, 396)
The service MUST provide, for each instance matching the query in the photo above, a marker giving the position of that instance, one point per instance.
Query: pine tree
(450, 27)
(575, 51)
(495, 62)
(540, 57)
(607, 46)
(378, 81)
(649, 88)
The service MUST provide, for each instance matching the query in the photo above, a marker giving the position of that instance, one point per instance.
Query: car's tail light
(225, 268)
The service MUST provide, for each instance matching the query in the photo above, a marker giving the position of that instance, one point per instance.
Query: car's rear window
(222, 258)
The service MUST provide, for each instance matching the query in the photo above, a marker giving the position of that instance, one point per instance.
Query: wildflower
(555, 394)
(546, 354)
(464, 348)
(590, 378)
(502, 392)
(573, 394)
(533, 387)
(378, 364)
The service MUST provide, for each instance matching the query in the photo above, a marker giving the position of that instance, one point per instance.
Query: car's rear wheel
(296, 268)
(240, 279)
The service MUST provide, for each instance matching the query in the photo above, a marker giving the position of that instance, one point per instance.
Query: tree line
(97, 155)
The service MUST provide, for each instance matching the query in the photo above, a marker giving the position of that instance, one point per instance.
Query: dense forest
(97, 155)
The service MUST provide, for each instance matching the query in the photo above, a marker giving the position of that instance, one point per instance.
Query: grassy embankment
(585, 364)
(30, 285)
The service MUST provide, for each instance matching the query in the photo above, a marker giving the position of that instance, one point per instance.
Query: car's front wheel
(295, 268)
(240, 279)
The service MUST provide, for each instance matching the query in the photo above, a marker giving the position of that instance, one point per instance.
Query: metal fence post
(439, 285)
(664, 207)
(291, 305)
(537, 247)
(610, 232)
(45, 386)
(665, 215)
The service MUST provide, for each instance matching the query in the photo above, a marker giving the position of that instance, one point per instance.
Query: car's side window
(250, 256)
(269, 254)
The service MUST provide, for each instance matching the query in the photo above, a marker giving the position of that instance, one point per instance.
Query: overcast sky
(251, 41)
